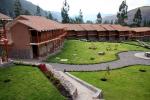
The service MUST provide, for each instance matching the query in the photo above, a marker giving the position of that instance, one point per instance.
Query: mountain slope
(7, 7)
(145, 15)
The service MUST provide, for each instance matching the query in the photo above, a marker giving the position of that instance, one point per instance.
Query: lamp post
(4, 38)
(4, 19)
(5, 41)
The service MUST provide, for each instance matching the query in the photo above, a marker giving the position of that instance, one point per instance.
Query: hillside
(145, 15)
(7, 6)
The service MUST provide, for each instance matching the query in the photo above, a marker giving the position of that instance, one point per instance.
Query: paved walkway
(83, 92)
(126, 59)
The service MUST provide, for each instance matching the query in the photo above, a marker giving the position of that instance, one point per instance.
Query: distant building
(106, 32)
(141, 33)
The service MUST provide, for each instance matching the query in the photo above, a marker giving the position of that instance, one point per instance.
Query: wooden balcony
(43, 39)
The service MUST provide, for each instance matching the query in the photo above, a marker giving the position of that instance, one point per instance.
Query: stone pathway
(84, 93)
(126, 59)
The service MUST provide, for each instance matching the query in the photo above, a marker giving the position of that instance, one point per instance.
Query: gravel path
(126, 59)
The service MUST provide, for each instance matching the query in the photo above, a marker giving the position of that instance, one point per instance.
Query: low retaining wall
(67, 84)
(6, 64)
(98, 93)
(57, 74)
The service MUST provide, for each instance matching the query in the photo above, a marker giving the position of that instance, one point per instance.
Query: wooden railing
(35, 39)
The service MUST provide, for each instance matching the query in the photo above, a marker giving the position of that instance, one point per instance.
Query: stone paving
(126, 59)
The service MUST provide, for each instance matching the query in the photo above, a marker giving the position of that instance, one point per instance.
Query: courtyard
(79, 52)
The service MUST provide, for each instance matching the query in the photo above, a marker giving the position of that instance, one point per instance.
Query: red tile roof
(141, 29)
(120, 28)
(39, 23)
(84, 27)
(87, 27)
(73, 27)
(107, 27)
(4, 17)
(98, 27)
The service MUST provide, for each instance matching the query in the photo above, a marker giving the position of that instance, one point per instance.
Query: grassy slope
(27, 83)
(84, 53)
(123, 84)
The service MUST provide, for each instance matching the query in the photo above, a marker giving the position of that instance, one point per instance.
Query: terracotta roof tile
(4, 17)
(120, 28)
(87, 27)
(141, 29)
(39, 23)
(98, 27)
(108, 27)
(74, 27)
(84, 27)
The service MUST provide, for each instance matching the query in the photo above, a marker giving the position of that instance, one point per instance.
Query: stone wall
(146, 38)
(20, 53)
(102, 38)
(67, 84)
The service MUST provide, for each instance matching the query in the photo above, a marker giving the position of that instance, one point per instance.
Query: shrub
(43, 68)
(92, 58)
(105, 77)
(49, 74)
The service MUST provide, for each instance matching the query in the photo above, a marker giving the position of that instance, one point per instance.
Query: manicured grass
(132, 42)
(26, 83)
(78, 52)
(122, 84)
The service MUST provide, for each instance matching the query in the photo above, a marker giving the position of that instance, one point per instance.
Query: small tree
(17, 8)
(81, 17)
(122, 14)
(99, 18)
(106, 22)
(38, 11)
(107, 73)
(64, 12)
(89, 22)
(137, 18)
(144, 23)
(72, 20)
(50, 16)
(26, 12)
(112, 22)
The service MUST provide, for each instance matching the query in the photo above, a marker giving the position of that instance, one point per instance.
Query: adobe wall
(21, 42)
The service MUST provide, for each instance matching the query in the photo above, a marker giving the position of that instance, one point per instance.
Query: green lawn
(26, 83)
(123, 84)
(78, 52)
(132, 42)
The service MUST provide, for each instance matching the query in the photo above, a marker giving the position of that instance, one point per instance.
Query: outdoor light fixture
(5, 41)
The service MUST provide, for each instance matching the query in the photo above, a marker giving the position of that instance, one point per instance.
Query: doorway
(35, 51)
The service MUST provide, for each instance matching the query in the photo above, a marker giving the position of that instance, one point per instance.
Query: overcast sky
(89, 6)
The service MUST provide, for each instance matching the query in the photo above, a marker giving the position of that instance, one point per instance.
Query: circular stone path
(126, 59)
(141, 55)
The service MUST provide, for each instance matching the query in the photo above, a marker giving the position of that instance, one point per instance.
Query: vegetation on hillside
(122, 14)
